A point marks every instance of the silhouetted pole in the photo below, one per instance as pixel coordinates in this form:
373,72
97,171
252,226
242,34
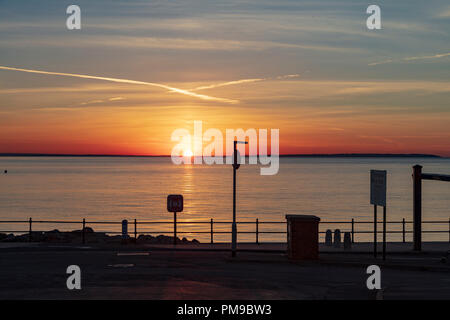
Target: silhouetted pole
236,166
417,207
384,232
233,226
374,231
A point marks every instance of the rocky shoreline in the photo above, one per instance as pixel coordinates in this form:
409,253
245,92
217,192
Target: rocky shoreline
90,236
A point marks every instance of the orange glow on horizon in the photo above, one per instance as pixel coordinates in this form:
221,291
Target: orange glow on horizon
129,120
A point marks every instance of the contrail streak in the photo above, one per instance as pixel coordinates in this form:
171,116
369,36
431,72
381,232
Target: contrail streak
230,83
436,56
171,89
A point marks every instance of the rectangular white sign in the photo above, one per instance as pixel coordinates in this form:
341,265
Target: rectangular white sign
378,187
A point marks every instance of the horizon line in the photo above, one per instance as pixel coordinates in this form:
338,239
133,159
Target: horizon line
403,155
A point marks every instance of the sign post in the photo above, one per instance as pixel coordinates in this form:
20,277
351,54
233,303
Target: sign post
236,165
378,198
175,204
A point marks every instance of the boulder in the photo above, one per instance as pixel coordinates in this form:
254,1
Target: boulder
145,238
88,230
162,239
56,236
53,231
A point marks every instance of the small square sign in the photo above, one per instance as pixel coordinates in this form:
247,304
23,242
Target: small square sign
378,187
175,203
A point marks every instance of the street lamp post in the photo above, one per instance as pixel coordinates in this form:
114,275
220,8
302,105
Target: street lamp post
236,166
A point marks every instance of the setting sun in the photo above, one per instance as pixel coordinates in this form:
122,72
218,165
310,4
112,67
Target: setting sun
188,153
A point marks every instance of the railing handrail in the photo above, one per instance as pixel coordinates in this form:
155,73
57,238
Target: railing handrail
211,222
206,222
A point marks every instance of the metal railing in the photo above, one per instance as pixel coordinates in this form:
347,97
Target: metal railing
351,227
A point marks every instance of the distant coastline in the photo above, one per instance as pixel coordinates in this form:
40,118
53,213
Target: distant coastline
331,155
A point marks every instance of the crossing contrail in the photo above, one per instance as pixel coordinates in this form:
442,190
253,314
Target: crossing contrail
159,85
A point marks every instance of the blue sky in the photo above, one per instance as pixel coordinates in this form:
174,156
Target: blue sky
228,39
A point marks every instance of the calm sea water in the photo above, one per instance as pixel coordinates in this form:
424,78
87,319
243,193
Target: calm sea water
112,189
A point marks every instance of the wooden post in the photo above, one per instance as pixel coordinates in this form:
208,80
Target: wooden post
83,239
212,231
288,238
257,231
135,229
353,230
29,228
417,207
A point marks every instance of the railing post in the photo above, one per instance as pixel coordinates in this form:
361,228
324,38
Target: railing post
29,234
449,230
174,228
353,230
212,231
83,239
257,231
135,229
404,230
417,207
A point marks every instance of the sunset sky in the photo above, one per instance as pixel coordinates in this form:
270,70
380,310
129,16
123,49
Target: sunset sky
308,68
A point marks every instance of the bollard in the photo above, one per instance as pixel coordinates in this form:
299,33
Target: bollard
124,231
347,241
337,238
328,238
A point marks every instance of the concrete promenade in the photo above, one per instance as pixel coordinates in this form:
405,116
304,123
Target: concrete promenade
38,271
360,247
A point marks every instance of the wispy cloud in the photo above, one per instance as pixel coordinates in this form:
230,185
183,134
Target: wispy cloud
101,101
288,76
92,102
235,82
380,62
435,56
159,85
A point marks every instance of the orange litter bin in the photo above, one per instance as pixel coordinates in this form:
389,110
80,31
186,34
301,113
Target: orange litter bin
303,237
